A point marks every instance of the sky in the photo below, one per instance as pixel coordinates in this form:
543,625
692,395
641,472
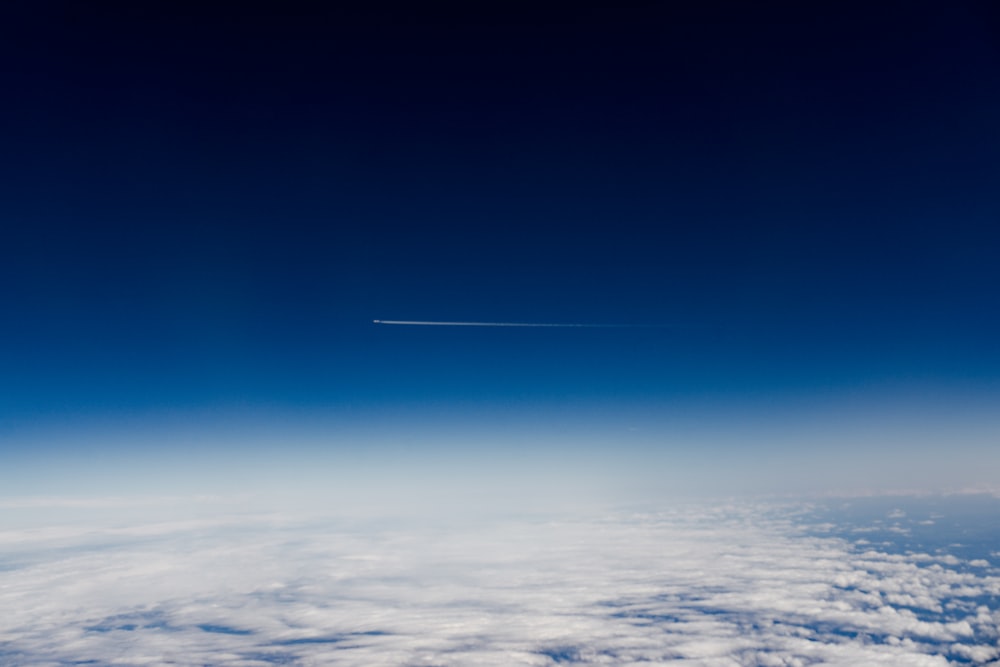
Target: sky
791,208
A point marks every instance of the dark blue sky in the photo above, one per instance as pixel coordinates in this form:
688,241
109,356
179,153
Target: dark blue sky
204,209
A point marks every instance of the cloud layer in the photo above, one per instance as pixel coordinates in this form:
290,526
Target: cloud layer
706,585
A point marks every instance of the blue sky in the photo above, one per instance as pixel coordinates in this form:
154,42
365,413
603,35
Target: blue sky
203,212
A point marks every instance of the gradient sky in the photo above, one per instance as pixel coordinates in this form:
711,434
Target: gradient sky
202,212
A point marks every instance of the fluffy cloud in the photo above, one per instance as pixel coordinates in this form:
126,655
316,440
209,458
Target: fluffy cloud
711,585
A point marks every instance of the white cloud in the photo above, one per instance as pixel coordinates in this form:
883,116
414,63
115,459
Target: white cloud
701,585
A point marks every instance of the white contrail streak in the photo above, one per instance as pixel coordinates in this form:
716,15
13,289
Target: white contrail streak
421,323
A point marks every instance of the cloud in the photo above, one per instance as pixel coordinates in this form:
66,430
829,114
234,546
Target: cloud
701,585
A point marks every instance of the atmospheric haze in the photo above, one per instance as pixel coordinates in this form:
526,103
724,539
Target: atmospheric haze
696,359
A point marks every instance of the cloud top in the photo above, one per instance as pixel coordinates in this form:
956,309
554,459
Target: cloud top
702,585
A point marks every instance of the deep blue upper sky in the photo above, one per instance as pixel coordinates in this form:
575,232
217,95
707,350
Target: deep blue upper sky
203,208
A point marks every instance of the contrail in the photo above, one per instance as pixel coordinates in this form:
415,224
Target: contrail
421,323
